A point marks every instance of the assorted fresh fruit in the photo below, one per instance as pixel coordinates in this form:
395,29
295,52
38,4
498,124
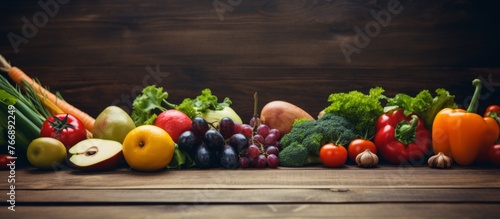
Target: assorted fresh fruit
203,132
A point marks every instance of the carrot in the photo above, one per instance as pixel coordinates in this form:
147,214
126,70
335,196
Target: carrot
18,76
53,108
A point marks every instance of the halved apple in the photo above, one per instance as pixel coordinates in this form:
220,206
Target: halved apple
94,154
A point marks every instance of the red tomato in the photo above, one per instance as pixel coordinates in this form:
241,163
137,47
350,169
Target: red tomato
492,109
358,146
65,128
333,155
4,160
494,154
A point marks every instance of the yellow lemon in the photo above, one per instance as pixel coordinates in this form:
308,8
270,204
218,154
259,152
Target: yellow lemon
148,148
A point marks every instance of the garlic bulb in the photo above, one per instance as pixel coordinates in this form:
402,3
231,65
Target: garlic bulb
440,161
367,159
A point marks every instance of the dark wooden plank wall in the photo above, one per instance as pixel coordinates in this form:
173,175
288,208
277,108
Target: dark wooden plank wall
96,53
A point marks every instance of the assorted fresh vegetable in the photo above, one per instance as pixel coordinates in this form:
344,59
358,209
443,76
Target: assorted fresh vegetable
153,100
51,101
312,134
205,132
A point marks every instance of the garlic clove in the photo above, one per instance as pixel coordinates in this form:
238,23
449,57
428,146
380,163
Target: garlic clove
366,159
440,161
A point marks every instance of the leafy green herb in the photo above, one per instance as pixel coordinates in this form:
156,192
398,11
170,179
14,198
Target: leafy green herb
153,100
423,104
361,109
145,106
202,103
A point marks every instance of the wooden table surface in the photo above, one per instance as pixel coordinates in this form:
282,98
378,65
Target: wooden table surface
308,192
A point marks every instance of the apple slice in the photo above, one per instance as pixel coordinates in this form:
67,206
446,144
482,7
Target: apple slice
96,154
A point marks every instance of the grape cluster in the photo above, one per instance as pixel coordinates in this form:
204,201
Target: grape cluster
263,146
231,145
207,145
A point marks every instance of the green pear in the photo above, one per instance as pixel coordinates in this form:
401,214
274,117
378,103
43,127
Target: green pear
113,123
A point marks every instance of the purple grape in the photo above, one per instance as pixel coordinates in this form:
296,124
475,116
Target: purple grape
272,150
244,162
271,139
272,161
188,141
229,158
214,140
278,145
226,127
239,142
203,157
261,161
263,130
200,126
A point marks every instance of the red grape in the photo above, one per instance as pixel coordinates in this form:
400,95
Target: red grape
270,139
261,161
252,121
258,138
272,150
263,130
247,130
272,161
253,151
275,132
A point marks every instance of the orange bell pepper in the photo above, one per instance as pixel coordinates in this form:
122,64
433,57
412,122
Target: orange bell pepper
463,135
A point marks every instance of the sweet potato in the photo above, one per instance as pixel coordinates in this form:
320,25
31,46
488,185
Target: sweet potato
281,115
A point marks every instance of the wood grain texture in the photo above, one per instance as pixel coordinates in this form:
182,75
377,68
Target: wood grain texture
296,178
254,196
392,210
255,33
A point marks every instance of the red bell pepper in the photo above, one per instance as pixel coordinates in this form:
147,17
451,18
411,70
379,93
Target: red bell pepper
402,139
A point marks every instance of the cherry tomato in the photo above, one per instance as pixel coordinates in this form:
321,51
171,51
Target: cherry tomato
4,160
492,109
358,146
494,154
333,155
65,128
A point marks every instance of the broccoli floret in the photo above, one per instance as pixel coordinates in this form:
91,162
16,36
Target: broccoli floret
295,155
313,142
315,133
